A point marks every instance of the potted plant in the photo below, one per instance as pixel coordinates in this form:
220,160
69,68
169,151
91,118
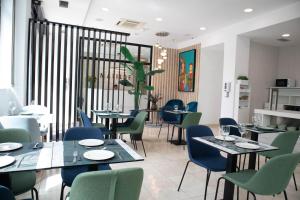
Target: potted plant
136,69
91,80
154,99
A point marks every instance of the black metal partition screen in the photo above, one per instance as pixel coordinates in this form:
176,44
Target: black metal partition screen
72,67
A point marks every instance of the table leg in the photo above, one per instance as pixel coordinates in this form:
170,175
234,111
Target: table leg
252,157
113,128
229,187
107,123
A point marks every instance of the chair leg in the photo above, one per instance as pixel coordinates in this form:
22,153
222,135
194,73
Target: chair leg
168,132
206,183
237,193
253,195
160,129
217,189
144,148
294,178
34,190
285,195
187,164
172,133
63,185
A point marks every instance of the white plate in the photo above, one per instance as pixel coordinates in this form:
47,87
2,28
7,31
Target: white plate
26,113
9,146
104,114
124,114
6,160
91,142
98,155
247,145
265,128
227,138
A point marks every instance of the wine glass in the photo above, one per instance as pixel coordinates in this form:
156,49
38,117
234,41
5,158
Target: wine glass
12,107
117,108
225,131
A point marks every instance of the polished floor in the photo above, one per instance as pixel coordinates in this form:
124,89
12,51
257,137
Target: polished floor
163,168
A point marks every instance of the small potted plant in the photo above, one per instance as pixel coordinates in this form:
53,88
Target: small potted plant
91,80
154,98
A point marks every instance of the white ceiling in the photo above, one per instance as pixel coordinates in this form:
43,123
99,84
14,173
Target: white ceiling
269,35
181,18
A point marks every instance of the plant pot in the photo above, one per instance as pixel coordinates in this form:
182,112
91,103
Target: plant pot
154,106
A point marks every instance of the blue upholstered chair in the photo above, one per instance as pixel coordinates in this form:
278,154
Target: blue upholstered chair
192,106
170,118
86,122
226,121
68,174
128,121
6,194
201,154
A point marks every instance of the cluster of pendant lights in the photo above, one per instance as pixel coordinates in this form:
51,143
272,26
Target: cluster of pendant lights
162,55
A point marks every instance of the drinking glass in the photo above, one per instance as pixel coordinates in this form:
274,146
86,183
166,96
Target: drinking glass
117,108
225,131
176,107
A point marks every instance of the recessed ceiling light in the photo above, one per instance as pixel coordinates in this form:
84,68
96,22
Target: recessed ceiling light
105,9
285,35
159,19
202,28
248,10
99,19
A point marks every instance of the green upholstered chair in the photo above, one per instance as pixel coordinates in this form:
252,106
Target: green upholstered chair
20,181
135,129
190,119
286,143
123,184
271,179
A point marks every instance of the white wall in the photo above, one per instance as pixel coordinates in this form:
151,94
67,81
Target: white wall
210,83
289,63
262,72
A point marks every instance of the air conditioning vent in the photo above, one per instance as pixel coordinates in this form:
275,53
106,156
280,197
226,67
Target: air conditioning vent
63,4
130,24
283,39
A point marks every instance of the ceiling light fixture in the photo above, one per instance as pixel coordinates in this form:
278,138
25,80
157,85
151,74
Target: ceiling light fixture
159,19
248,10
202,28
105,9
99,19
285,35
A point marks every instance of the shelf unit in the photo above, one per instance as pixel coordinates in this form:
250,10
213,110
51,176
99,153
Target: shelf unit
242,101
291,95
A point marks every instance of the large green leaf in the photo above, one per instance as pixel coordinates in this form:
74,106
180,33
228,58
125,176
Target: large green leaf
156,71
126,83
149,87
128,68
127,54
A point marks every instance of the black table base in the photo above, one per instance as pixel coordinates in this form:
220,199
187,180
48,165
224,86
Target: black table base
230,167
176,142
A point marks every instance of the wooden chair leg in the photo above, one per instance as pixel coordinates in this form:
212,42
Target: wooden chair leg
144,148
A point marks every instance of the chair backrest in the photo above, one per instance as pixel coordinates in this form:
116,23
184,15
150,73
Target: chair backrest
198,149
123,184
23,122
133,113
191,119
275,175
6,194
14,135
80,133
86,122
192,106
229,121
174,102
285,142
139,122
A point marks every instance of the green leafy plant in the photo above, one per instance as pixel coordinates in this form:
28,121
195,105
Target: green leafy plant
242,78
137,70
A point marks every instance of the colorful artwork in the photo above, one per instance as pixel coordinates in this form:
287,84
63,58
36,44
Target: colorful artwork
186,80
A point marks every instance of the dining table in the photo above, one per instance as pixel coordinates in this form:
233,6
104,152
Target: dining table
180,113
113,116
60,154
233,148
255,131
